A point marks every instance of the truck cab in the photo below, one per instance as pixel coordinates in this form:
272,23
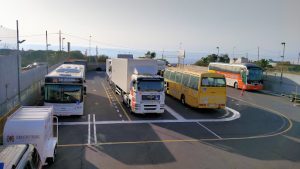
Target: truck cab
20,156
146,94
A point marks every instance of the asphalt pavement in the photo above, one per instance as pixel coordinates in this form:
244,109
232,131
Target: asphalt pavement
257,131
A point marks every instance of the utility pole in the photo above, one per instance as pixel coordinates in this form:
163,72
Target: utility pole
69,48
90,45
282,43
96,58
59,40
298,58
18,62
258,53
47,50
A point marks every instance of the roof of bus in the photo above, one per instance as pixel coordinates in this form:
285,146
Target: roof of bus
248,65
68,70
194,70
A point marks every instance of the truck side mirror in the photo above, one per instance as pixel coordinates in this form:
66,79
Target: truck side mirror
84,90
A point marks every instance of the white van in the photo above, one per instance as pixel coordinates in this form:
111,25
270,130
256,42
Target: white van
20,156
33,125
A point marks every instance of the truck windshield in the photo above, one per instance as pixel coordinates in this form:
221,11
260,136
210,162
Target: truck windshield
57,93
255,74
149,85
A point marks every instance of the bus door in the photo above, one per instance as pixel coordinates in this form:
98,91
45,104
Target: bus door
192,93
244,78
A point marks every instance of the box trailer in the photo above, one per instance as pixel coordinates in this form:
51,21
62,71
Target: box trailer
136,80
33,125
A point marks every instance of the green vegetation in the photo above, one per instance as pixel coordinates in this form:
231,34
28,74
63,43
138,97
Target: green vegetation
54,57
149,55
263,63
212,58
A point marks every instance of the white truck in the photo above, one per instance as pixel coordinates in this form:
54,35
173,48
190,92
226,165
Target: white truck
19,156
136,80
33,125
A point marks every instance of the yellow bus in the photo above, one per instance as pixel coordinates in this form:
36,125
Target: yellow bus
196,88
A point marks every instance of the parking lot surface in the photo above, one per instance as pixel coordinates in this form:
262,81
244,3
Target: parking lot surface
255,131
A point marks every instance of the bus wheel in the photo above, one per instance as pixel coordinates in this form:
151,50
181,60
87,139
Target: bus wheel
236,85
182,99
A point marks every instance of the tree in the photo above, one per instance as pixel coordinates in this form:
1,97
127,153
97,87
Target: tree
212,58
150,55
263,63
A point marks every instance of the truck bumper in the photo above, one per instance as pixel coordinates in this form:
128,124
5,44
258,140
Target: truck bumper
148,108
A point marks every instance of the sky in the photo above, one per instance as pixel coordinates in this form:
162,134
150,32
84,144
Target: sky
237,27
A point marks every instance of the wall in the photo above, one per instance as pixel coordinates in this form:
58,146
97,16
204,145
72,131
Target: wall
289,84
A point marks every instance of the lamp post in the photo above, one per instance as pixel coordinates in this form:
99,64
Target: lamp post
218,53
283,44
63,43
19,61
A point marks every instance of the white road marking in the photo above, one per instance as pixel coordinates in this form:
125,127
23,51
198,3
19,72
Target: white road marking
209,130
89,130
120,115
235,115
95,135
118,110
174,113
94,90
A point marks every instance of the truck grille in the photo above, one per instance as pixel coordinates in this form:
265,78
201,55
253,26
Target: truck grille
150,97
150,107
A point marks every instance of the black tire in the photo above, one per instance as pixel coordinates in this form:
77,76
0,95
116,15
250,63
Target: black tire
236,85
182,99
50,160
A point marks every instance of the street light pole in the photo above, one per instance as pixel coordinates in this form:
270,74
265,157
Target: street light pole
282,43
218,50
19,61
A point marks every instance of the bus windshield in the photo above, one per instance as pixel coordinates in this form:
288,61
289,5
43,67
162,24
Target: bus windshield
213,82
57,93
255,74
150,85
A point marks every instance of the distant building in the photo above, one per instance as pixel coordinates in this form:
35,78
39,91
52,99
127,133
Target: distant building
273,63
239,60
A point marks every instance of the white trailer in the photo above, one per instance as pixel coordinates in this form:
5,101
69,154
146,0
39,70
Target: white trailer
136,80
33,125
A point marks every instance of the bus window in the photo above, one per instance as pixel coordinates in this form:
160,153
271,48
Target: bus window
172,76
185,79
178,77
167,74
213,82
194,81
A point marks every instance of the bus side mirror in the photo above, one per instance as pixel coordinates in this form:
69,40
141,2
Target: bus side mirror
43,90
84,90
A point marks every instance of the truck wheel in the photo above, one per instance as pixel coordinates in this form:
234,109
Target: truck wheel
50,160
182,99
236,85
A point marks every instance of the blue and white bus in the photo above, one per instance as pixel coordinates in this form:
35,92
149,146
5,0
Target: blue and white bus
64,90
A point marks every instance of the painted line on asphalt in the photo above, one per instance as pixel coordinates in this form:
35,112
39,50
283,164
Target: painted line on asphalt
105,89
128,118
235,115
95,135
270,110
89,129
209,130
174,113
